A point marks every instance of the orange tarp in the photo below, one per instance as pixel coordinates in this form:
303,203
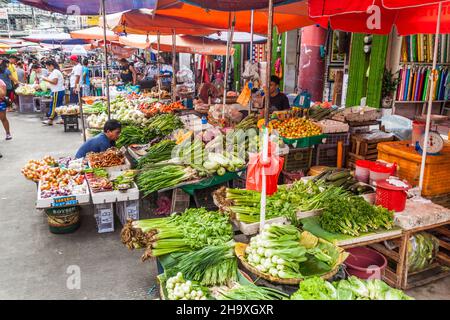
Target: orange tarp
142,21
192,20
94,33
184,44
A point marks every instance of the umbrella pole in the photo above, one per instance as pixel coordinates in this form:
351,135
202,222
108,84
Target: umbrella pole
430,99
174,52
269,62
106,60
159,65
81,114
229,41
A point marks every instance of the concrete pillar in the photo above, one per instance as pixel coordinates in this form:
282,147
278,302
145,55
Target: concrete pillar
291,62
312,66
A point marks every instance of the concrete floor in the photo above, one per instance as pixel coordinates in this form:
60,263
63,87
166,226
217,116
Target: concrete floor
34,263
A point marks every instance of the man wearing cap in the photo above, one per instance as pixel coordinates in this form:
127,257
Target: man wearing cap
75,77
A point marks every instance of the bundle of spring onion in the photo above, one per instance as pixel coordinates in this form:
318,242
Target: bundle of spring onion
159,176
210,266
192,230
165,124
283,252
180,289
158,152
133,134
252,292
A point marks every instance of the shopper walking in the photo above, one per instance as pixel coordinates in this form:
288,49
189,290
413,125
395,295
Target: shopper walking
85,79
8,79
3,118
56,83
75,78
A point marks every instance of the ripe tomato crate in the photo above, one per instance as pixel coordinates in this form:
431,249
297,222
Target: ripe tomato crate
306,142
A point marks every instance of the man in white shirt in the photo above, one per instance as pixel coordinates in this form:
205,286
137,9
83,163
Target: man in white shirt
75,78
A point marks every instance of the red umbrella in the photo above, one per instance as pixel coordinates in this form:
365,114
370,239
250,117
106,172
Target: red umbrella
377,19
409,16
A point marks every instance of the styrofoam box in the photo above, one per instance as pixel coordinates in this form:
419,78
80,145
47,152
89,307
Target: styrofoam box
104,215
114,169
115,195
42,203
127,210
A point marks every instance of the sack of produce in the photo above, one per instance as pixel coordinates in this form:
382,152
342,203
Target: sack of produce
422,250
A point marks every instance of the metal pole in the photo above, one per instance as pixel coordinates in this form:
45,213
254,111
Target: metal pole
108,101
229,41
174,58
269,62
81,114
252,18
430,99
158,78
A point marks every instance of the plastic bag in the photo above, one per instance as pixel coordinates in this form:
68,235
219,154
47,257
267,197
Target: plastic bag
272,171
422,250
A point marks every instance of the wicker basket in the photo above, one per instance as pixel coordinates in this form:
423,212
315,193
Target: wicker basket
240,253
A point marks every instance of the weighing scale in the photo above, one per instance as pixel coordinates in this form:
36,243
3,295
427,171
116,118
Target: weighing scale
435,141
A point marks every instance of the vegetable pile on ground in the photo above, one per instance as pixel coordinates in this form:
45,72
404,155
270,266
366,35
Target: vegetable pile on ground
353,215
209,266
344,179
282,251
351,289
192,230
295,128
109,158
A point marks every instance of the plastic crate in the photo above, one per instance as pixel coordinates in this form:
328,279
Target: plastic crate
334,138
127,210
298,159
104,215
305,142
326,155
26,104
180,200
71,123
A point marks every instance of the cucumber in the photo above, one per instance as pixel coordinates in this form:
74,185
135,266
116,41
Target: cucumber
338,175
322,176
340,182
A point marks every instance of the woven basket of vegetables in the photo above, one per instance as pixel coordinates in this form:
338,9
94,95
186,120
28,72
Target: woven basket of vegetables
283,255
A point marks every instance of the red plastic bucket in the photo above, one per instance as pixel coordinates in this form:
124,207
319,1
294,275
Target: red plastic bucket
365,263
391,197
379,172
362,170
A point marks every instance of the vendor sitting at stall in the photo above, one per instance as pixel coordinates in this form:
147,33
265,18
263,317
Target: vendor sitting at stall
278,100
103,141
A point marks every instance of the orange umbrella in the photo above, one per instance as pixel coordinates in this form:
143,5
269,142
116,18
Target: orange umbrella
94,33
184,44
